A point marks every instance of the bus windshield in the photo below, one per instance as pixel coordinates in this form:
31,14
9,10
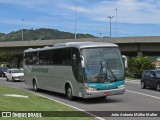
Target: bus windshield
103,64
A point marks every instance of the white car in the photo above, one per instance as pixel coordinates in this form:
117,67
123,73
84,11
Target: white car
14,75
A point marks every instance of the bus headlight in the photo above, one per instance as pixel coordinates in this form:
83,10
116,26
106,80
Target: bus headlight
121,86
91,89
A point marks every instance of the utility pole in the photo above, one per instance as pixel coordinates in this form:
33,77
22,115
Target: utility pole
22,28
116,25
100,35
110,17
76,22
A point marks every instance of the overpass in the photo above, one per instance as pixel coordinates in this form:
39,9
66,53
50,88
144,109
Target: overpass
129,46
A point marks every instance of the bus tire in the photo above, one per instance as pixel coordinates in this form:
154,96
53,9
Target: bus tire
69,93
35,87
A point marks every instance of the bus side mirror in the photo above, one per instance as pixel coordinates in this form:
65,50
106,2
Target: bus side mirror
125,61
82,62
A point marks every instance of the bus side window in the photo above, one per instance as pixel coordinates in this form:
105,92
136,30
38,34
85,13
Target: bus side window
31,58
67,56
56,57
62,56
46,57
35,58
43,57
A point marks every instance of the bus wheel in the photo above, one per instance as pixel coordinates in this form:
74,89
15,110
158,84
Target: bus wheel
69,93
35,86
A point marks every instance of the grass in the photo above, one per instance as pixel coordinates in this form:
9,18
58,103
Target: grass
34,103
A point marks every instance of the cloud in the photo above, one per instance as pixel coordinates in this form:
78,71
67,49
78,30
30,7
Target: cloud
91,14
128,11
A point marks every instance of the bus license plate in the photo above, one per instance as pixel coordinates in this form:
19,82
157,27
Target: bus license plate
106,93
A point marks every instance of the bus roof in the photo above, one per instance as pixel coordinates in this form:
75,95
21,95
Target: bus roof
78,45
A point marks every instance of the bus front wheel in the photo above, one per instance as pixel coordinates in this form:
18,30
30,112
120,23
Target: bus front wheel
69,93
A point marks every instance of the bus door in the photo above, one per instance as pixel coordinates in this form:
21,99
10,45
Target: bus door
77,72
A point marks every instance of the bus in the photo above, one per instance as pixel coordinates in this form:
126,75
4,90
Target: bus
77,69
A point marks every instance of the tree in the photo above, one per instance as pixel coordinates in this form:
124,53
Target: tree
41,34
5,58
137,65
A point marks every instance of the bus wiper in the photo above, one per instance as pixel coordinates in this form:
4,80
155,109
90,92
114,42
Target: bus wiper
103,72
108,68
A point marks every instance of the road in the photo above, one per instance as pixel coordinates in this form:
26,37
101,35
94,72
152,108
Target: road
134,99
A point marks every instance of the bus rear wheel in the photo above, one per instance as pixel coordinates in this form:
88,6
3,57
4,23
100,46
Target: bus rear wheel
69,93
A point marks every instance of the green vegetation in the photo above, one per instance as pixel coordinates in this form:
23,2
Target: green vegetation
7,58
137,65
34,103
40,34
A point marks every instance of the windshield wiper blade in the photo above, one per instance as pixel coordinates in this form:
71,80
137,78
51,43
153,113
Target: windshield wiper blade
102,74
108,68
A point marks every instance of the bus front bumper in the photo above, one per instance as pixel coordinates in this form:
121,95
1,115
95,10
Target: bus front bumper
101,93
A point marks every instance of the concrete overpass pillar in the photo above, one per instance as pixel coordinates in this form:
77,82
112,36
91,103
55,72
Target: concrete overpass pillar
140,54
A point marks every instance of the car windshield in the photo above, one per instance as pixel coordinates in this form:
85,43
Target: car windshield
103,64
157,74
4,69
17,71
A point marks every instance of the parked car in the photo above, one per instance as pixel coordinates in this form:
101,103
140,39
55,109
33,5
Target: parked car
3,71
157,68
14,75
151,78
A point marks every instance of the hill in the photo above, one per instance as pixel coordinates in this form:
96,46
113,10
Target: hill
40,34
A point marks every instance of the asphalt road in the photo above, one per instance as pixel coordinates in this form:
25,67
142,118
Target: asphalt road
134,99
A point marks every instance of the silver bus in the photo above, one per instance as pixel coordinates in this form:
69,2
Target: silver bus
81,69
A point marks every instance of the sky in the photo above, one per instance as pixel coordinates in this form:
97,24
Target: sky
130,17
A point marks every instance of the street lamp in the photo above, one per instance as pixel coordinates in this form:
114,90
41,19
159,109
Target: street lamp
76,22
100,35
110,17
116,25
22,28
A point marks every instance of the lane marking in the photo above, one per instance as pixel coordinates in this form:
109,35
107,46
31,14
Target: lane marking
15,95
143,94
99,118
136,82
